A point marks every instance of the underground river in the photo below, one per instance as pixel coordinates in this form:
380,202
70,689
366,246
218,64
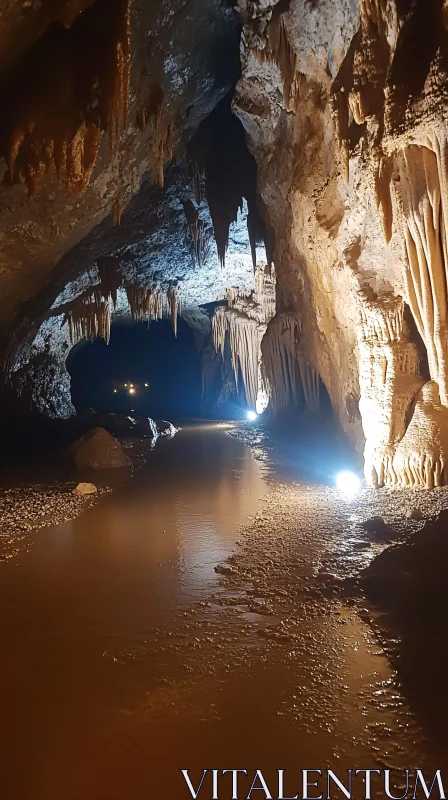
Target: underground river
126,656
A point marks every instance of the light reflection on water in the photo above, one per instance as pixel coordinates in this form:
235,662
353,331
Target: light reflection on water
112,682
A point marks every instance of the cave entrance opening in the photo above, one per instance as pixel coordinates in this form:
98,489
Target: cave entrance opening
145,370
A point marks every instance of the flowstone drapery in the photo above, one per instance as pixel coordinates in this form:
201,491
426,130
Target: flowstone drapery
389,381
389,369
289,377
245,319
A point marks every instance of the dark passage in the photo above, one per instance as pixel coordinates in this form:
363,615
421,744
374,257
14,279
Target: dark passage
139,354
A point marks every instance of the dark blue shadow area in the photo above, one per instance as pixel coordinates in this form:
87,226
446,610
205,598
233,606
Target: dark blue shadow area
144,370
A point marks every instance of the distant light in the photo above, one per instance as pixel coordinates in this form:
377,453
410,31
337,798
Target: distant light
132,390
126,386
131,385
115,391
347,482
146,384
252,415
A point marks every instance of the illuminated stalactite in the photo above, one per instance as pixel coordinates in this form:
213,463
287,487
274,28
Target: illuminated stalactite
199,232
245,320
289,377
358,91
111,279
280,364
89,318
173,303
72,86
278,49
145,303
219,153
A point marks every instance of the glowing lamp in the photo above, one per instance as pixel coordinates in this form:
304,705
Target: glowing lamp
347,482
132,390
252,415
115,391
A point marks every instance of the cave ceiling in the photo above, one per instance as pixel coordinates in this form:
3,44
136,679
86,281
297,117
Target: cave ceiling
97,99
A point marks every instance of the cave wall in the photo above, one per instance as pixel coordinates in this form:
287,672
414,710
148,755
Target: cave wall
344,105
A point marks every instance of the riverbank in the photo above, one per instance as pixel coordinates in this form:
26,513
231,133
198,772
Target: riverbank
40,493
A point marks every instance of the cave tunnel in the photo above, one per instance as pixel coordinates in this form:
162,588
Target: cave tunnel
163,370
223,399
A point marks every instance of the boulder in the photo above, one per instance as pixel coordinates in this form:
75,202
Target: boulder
146,427
165,428
85,488
97,449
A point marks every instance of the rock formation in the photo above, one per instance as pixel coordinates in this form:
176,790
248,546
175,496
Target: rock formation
97,449
144,194
245,319
344,107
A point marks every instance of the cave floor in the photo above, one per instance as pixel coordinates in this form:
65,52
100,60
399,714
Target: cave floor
127,657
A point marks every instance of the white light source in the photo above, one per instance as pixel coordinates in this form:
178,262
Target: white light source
252,415
132,390
348,482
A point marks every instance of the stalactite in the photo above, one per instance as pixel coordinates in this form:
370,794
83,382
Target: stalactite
415,456
118,76
198,231
117,210
155,106
162,151
219,151
111,278
383,177
173,302
245,320
287,372
89,318
310,383
144,302
358,90
48,125
245,336
280,365
278,49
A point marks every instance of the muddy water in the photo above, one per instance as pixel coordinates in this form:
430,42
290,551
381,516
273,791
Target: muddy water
125,657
